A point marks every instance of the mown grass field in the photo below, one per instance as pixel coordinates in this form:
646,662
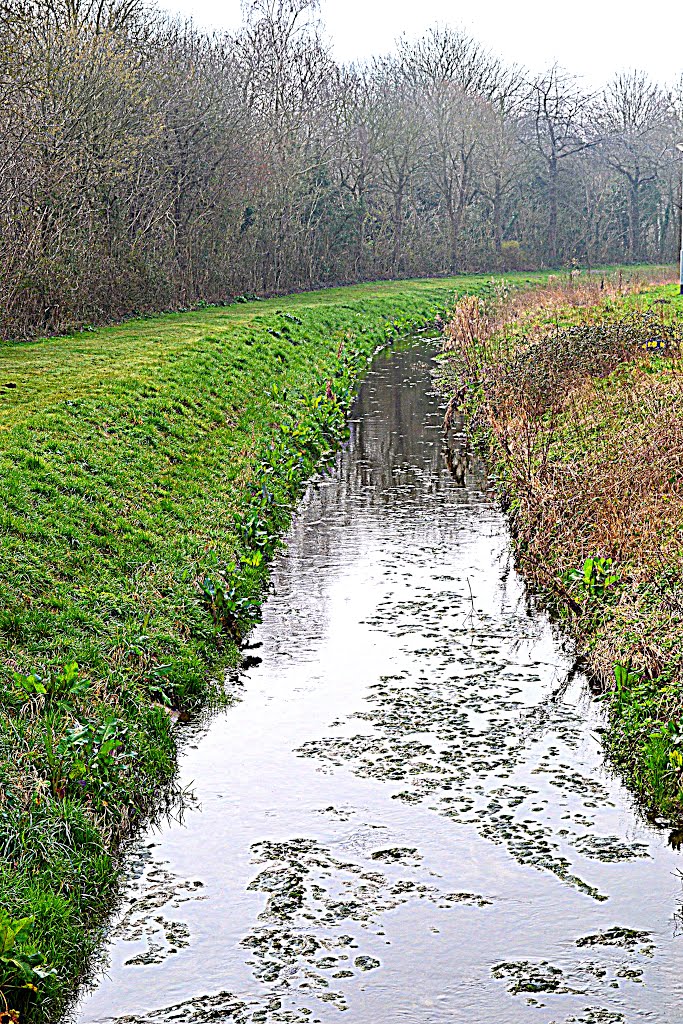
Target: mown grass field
147,471
581,408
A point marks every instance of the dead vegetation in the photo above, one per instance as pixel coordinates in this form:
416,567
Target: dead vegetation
583,419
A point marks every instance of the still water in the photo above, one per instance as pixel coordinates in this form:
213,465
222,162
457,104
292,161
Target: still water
405,816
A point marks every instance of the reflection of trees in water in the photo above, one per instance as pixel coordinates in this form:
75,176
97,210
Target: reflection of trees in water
675,842
458,462
466,468
396,442
393,485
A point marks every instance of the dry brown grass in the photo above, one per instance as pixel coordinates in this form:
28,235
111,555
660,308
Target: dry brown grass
613,488
584,420
524,315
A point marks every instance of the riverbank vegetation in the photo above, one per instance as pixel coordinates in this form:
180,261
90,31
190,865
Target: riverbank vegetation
578,399
147,472
148,165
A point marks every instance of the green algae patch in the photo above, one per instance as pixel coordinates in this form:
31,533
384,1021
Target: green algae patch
617,948
629,939
523,976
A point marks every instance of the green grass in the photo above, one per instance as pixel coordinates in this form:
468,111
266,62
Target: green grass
147,471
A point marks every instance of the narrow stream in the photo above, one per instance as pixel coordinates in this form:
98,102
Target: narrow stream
406,815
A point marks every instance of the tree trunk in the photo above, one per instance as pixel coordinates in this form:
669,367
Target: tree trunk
552,210
636,244
398,229
498,219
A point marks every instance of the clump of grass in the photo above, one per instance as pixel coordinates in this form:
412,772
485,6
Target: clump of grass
584,425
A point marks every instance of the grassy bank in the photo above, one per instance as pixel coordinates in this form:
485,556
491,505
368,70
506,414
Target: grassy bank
580,407
146,473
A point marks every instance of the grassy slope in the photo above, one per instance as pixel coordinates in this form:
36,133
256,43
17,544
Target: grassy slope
146,471
605,480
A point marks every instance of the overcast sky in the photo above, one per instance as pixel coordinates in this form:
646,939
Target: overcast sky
593,38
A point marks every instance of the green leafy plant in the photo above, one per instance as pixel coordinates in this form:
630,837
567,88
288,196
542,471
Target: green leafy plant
21,971
64,686
88,758
593,582
234,611
670,736
626,682
625,678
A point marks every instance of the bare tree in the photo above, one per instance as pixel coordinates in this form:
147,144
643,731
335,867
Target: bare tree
634,114
452,76
504,158
145,164
561,129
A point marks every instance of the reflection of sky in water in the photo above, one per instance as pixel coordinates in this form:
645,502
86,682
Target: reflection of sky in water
405,816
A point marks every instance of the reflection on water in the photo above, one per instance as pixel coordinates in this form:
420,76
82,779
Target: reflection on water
405,816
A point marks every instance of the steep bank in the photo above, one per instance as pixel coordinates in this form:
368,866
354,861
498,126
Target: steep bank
581,410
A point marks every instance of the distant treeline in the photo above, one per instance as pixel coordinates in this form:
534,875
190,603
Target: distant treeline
145,164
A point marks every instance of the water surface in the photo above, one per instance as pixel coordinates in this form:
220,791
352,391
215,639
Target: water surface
406,816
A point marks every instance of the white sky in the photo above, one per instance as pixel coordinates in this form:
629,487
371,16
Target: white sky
592,38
